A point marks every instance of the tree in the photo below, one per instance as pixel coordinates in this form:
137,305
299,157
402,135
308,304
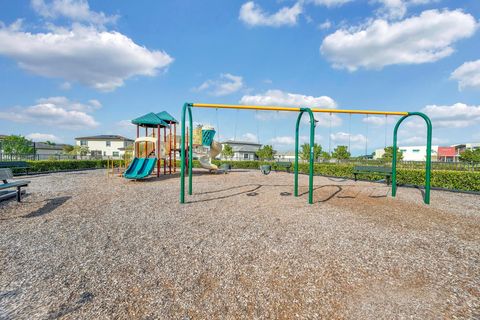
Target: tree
266,153
325,155
67,149
227,151
79,150
471,156
341,153
388,154
305,153
17,145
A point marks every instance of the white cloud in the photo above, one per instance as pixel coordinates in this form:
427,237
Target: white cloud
54,112
325,25
283,140
329,3
252,15
225,85
425,38
65,103
76,10
458,115
378,121
326,120
126,124
357,141
467,75
396,9
99,59
249,137
42,137
281,98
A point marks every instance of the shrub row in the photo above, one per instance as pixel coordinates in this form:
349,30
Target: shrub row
61,165
456,180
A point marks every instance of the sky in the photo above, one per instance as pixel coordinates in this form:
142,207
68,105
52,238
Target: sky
72,68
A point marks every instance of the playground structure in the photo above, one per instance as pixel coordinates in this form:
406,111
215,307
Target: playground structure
150,151
204,147
186,142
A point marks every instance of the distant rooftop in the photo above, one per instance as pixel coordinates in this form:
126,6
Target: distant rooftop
236,142
46,146
104,137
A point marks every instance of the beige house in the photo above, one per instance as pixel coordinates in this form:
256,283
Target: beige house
105,145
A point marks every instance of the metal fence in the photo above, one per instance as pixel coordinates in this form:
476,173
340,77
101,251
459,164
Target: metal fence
25,157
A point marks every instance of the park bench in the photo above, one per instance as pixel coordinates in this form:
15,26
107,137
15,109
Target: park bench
387,172
283,164
15,165
6,174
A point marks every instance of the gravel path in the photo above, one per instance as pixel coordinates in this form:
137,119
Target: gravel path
84,246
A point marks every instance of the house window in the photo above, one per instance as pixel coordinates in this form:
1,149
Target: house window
83,142
416,150
104,153
245,156
115,153
108,143
403,150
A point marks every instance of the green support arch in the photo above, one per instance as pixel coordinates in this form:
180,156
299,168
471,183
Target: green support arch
312,142
428,165
186,106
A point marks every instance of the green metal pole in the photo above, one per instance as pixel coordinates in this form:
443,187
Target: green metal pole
190,150
428,165
295,185
182,156
312,142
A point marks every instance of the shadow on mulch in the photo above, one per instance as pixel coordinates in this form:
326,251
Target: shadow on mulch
49,206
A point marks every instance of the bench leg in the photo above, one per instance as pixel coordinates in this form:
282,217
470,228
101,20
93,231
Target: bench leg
355,176
19,194
388,180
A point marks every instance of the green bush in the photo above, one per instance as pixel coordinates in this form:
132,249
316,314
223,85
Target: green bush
449,179
61,165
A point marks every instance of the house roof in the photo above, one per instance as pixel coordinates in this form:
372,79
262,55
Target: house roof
104,137
167,117
46,146
150,120
234,142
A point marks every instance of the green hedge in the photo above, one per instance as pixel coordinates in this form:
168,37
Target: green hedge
60,165
448,179
456,180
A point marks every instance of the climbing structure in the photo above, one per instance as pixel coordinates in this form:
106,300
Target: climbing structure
154,144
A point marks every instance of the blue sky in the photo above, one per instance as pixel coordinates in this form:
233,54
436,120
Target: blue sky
71,67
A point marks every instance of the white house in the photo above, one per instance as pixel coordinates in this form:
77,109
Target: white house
285,156
412,153
105,145
242,150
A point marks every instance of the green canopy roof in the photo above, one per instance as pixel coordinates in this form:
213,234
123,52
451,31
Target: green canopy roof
150,120
167,117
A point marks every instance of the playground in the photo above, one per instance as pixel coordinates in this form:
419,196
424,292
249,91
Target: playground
82,245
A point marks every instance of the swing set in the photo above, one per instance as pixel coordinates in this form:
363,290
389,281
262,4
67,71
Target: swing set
186,169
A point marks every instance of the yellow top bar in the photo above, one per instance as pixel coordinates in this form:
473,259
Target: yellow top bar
276,108
231,106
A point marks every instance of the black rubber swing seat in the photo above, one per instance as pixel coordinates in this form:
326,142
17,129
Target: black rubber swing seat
265,169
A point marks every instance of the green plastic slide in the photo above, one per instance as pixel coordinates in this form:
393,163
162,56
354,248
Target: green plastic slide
140,168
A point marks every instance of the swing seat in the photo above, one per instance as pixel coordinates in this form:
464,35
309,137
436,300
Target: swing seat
266,169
